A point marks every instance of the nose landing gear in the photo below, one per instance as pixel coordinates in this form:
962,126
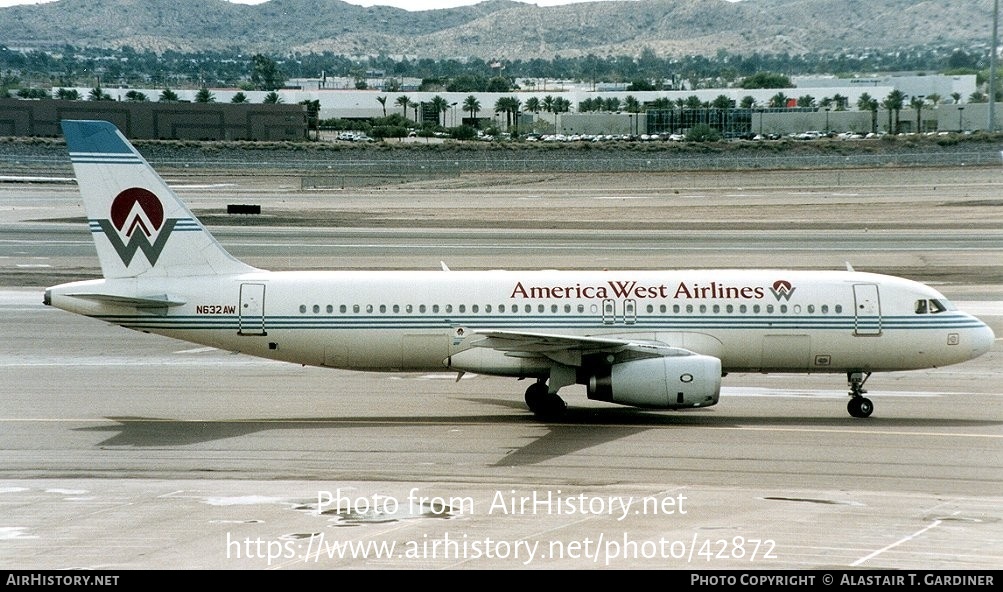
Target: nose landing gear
859,405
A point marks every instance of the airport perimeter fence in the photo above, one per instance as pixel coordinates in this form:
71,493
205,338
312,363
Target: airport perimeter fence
518,163
416,164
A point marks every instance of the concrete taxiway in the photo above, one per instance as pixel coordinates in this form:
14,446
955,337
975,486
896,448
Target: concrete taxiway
122,450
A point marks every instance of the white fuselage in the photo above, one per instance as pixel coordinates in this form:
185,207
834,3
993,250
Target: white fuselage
759,320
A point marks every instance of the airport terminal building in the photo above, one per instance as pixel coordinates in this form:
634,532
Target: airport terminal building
154,120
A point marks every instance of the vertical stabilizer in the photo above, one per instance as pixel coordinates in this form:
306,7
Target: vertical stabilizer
140,226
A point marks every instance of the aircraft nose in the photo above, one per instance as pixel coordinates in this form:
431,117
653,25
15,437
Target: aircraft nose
982,340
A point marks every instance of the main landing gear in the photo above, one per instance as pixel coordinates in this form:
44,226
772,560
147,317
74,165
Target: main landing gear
544,404
859,405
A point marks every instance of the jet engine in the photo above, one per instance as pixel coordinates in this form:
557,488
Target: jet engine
672,382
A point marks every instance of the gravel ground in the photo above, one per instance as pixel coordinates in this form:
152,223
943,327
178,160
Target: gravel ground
414,158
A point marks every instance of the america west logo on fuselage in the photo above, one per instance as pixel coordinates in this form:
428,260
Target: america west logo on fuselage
782,289
137,216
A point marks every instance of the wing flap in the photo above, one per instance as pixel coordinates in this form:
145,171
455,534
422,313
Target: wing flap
571,349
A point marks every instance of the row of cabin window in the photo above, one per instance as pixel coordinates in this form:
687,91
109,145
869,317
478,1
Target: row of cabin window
435,308
744,308
554,308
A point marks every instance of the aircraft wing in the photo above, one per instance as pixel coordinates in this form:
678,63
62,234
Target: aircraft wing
572,349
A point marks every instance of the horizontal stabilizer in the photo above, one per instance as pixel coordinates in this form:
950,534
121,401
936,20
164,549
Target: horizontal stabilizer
153,301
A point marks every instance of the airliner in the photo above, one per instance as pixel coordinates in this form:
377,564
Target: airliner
647,339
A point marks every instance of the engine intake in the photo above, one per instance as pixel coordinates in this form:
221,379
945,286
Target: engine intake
660,383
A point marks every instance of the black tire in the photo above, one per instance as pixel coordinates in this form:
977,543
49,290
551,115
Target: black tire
551,408
536,396
860,407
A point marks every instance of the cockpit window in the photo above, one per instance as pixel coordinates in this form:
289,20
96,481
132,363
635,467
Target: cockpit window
932,306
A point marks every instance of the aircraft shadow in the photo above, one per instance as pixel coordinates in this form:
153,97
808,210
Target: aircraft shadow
578,429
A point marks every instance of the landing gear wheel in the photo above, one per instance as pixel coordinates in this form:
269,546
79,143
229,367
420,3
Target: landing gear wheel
553,407
543,404
536,396
860,407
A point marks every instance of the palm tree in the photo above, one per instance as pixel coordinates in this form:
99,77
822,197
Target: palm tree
204,96
894,102
382,100
721,102
561,105
68,94
778,101
472,106
440,105
662,103
510,106
631,104
547,104
239,99
135,96
868,103
502,105
98,94
272,98
917,104
533,105
168,96
403,102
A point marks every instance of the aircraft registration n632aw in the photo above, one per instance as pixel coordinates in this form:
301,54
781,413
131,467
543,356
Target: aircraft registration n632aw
650,339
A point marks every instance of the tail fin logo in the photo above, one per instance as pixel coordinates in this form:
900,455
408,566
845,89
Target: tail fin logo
782,290
137,224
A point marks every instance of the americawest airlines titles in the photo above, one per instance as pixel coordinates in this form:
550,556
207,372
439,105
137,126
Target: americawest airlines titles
632,289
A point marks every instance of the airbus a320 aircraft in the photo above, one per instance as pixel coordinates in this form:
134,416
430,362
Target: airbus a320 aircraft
650,339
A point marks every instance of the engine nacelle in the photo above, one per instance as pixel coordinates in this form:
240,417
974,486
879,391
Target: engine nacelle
660,383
